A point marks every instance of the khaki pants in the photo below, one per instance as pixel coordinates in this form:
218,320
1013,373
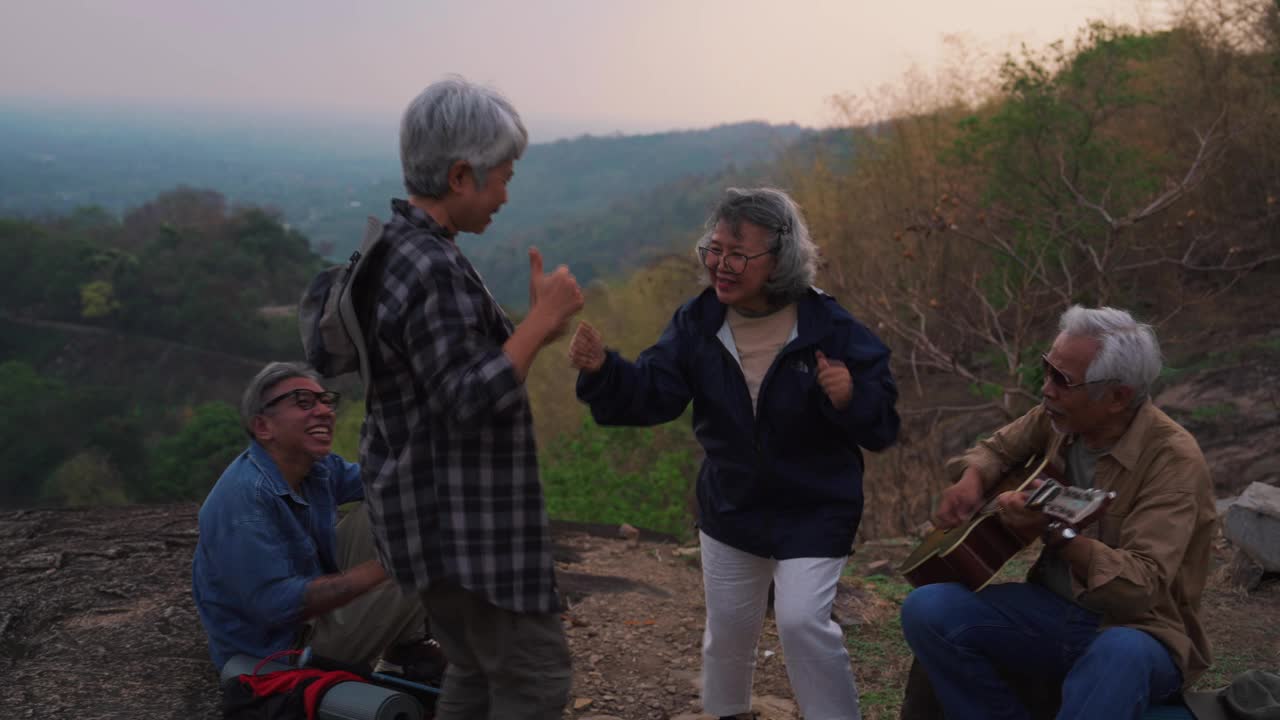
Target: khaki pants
503,665
359,631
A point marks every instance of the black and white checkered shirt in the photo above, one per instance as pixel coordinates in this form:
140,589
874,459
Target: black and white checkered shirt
449,461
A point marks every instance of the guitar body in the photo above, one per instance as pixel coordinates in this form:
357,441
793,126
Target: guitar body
972,553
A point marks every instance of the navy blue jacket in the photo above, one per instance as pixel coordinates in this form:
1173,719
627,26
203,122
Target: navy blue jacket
783,483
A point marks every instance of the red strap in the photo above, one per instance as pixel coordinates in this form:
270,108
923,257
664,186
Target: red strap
316,690
273,656
285,681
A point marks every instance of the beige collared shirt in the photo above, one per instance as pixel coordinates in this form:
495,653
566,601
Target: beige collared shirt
1157,531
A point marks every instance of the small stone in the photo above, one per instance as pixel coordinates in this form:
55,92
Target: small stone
581,703
879,567
629,533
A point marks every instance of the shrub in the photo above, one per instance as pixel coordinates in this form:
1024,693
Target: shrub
641,476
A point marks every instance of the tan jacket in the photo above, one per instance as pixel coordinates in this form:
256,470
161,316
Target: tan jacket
1157,531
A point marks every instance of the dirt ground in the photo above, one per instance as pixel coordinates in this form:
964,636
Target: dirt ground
96,617
96,621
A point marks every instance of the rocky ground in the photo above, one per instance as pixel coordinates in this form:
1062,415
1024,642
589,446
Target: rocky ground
96,621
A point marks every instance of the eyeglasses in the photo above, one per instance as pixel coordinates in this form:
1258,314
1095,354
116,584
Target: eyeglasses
305,399
1060,379
735,263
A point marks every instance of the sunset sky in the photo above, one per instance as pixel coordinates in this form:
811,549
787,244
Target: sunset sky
570,66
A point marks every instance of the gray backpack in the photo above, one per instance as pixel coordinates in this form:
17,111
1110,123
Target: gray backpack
332,314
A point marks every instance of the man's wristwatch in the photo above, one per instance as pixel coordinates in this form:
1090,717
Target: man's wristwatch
1058,534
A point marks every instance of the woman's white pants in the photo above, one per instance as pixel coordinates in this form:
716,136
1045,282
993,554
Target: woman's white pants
737,594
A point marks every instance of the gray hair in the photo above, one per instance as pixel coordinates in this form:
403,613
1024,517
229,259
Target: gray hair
1128,350
268,377
456,120
776,212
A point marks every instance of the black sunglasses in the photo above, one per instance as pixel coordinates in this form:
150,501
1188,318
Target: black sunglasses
1060,379
305,399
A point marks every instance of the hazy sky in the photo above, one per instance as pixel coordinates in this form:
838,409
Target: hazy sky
569,66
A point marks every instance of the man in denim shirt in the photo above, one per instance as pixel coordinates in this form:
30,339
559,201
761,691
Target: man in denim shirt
272,560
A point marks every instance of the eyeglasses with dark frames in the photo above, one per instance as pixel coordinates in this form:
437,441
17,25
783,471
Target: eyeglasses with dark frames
305,399
1061,380
735,263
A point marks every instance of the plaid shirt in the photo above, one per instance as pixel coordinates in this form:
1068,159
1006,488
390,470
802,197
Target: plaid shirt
449,462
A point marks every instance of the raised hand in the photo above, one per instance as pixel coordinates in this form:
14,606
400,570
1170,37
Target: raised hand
835,380
554,297
586,350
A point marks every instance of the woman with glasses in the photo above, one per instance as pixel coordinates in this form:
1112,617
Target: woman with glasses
787,388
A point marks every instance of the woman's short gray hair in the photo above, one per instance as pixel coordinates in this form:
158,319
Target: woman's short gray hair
1128,350
776,212
268,377
456,120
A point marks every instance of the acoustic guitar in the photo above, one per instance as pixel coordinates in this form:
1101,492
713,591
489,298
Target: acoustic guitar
973,552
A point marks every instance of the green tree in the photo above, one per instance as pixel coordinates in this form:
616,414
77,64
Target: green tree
34,418
184,466
97,300
961,233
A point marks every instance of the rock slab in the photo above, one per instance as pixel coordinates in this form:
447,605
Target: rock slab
1253,524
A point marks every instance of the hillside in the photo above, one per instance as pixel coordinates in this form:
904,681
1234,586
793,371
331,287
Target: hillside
580,196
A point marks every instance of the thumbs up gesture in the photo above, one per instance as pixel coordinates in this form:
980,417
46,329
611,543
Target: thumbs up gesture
835,380
554,297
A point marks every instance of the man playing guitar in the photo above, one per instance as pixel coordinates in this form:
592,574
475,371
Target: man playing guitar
1111,609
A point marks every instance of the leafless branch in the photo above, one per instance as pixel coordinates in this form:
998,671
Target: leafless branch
1208,152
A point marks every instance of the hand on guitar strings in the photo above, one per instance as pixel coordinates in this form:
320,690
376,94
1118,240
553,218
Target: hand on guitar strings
960,501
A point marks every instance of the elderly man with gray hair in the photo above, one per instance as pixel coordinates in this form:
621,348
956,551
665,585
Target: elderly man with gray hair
450,464
271,571
1110,613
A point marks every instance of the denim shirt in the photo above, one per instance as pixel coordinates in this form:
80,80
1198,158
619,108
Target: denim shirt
260,544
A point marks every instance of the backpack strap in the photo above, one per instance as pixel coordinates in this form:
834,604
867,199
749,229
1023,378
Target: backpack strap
352,317
372,231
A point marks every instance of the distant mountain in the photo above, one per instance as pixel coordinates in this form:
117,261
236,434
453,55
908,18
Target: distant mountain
566,195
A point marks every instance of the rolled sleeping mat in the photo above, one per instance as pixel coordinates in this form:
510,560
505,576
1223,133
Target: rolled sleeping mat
344,701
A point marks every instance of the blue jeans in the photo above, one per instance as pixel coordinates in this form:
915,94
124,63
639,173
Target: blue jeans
961,638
